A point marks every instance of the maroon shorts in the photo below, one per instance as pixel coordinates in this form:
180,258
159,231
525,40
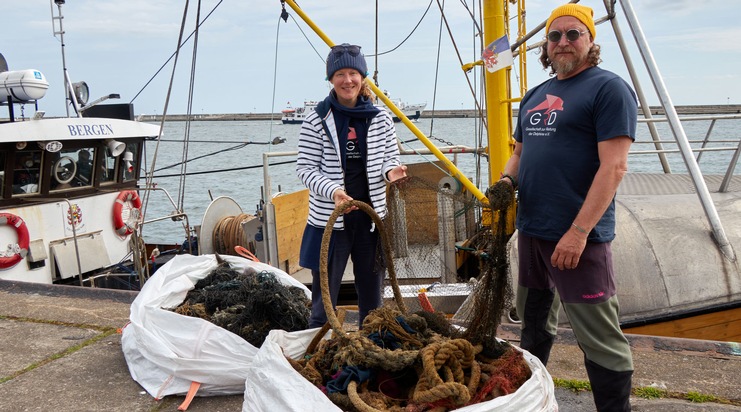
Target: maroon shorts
592,281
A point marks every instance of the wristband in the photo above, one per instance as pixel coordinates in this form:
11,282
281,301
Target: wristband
579,228
511,179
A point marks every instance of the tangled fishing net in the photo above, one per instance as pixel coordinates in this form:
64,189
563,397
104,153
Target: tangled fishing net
420,362
396,362
249,304
425,216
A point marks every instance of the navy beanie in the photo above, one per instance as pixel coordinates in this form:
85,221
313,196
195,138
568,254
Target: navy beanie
346,60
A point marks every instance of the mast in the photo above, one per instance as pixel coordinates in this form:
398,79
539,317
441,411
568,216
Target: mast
498,103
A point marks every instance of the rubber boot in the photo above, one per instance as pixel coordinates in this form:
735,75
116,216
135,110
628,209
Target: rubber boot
536,314
540,349
611,389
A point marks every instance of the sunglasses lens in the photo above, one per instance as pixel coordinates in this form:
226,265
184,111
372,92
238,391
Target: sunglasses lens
572,35
342,49
554,36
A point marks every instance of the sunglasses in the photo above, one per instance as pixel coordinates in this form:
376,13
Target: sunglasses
341,49
571,35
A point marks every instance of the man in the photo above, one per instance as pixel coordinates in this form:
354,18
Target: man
572,140
84,168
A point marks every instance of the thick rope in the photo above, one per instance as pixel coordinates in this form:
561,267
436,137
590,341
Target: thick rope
450,358
323,259
229,233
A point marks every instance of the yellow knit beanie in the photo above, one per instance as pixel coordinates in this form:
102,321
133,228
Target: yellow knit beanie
583,13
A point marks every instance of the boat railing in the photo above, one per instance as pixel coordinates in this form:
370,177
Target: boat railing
672,117
269,210
707,144
176,215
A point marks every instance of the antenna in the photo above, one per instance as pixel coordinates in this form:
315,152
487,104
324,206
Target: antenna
69,92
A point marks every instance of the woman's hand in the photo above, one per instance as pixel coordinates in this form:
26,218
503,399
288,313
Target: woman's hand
340,197
397,173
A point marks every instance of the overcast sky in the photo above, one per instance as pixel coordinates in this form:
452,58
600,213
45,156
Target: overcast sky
248,62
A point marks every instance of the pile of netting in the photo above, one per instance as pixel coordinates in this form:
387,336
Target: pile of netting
493,292
431,224
249,304
416,362
419,362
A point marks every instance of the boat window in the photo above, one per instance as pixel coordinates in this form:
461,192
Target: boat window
27,172
128,163
84,175
72,168
108,174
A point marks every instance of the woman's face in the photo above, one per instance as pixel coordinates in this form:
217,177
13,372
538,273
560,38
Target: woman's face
347,84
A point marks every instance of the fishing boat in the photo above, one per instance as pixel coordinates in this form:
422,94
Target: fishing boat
70,201
676,248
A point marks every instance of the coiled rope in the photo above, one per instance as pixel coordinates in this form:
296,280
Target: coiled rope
229,233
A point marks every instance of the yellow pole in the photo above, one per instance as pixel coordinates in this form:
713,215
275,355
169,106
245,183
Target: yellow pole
498,106
408,123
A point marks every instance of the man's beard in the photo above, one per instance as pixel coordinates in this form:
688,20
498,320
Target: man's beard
566,65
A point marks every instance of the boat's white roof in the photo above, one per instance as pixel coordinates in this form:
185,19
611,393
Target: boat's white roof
73,128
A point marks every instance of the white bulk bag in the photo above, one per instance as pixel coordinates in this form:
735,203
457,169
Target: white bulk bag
166,351
273,385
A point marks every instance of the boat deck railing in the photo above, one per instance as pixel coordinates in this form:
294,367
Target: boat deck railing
706,144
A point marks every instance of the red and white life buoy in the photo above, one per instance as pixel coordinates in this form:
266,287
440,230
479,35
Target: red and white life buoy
126,219
19,250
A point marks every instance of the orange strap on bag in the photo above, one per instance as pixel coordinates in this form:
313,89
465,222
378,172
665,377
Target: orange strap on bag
245,253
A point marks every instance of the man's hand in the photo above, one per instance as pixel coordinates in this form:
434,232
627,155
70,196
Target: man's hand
569,249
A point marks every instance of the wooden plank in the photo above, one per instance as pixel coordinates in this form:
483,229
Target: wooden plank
721,326
291,212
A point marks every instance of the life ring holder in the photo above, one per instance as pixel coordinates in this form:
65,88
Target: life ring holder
21,248
123,226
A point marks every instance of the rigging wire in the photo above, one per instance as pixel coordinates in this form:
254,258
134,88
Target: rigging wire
149,182
233,169
460,60
307,38
409,35
437,65
188,121
181,43
284,16
201,157
375,71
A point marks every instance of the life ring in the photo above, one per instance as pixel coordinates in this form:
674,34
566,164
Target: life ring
125,225
19,250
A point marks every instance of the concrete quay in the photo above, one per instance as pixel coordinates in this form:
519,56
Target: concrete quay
60,350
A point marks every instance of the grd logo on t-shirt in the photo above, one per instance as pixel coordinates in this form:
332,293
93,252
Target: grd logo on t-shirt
352,146
545,112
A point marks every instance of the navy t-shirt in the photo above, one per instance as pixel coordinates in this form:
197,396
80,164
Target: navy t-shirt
559,125
354,148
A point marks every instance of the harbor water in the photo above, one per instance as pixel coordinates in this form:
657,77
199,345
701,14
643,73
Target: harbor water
226,158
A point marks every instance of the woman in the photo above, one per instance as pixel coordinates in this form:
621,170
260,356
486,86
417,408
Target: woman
347,151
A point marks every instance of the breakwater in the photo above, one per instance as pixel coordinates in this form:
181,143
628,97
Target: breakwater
655,110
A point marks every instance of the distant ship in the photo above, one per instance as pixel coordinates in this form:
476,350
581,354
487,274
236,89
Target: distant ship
295,115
